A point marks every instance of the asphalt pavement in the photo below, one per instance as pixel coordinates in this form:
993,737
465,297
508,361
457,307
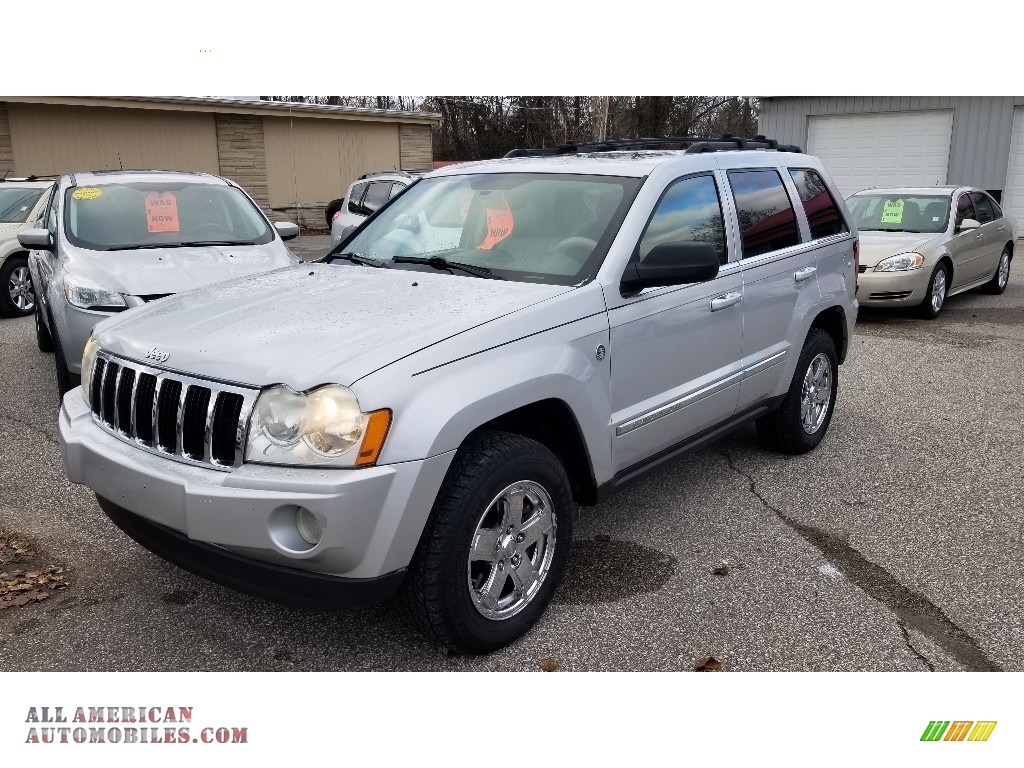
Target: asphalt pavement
896,545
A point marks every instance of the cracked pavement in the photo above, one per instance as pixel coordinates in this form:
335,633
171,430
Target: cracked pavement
896,545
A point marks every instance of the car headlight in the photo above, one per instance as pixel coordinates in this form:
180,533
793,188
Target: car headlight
86,295
900,263
322,427
88,358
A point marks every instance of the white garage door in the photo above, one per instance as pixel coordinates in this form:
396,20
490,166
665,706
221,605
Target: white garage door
883,149
1013,191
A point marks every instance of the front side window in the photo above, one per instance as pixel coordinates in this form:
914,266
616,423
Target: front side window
533,227
765,213
895,212
161,214
965,209
689,211
16,203
983,205
823,214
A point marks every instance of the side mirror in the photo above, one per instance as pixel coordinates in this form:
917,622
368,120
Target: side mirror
967,224
37,239
287,230
672,264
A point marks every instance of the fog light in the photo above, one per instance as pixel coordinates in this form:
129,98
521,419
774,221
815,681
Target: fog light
308,526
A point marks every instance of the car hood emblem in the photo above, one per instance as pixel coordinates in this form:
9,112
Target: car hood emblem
158,355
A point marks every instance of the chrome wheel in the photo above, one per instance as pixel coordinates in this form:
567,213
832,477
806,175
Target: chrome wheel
1004,269
816,394
19,288
938,290
512,550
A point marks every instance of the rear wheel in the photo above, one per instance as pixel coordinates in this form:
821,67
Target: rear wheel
1002,276
938,287
495,547
17,295
801,421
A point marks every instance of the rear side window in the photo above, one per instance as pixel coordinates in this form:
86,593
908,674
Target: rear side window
983,205
376,196
766,217
964,209
823,214
689,211
355,200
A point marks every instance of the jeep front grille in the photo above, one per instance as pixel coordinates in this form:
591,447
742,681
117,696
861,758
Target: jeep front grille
197,421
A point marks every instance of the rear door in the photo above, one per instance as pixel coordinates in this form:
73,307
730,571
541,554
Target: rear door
780,283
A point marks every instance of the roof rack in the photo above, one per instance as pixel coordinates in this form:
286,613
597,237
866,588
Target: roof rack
396,171
694,145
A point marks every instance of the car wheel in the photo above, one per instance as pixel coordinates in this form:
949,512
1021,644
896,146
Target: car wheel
43,339
1002,276
66,380
938,288
332,208
496,545
17,296
800,423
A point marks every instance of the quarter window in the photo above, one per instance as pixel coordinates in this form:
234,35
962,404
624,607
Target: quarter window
983,205
689,211
765,213
355,200
823,214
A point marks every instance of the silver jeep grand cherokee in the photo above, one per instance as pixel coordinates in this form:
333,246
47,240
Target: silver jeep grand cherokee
424,410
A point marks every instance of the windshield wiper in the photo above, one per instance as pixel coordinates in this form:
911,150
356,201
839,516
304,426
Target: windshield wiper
189,244
356,258
440,262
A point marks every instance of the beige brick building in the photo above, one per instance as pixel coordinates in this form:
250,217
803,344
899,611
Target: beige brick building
292,158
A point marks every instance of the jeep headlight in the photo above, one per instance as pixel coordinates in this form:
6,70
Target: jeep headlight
88,358
322,427
900,263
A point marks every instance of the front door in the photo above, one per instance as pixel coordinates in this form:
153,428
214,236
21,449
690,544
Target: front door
966,247
995,234
675,351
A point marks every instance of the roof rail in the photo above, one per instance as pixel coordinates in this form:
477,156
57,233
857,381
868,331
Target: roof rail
33,177
397,171
693,144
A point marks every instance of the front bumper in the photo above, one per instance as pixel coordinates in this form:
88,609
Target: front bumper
243,521
74,326
893,289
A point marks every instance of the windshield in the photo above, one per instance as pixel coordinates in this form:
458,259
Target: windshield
161,214
549,228
894,212
16,203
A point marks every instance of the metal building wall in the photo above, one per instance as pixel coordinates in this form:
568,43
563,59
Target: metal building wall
979,148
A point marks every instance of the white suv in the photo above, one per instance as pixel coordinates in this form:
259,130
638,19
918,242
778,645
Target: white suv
365,195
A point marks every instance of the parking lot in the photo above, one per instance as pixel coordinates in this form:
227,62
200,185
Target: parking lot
896,545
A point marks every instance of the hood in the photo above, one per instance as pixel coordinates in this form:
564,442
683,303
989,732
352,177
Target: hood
10,228
875,246
313,324
174,270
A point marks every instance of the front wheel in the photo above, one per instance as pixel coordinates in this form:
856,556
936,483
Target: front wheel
800,423
938,287
66,380
1002,276
496,545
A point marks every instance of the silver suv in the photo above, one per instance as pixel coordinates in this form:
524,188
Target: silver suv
501,343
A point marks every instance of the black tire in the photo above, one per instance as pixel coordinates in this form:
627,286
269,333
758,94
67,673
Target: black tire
332,208
927,308
437,589
66,380
15,264
1000,279
783,429
43,339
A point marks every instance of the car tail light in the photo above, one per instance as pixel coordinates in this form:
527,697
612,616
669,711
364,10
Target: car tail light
336,215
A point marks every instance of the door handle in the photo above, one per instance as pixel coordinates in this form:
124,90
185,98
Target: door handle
726,301
803,274
979,236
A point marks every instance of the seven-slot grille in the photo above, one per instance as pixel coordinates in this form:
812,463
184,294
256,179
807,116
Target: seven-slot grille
192,420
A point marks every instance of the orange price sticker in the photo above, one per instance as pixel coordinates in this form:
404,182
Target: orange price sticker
499,226
162,212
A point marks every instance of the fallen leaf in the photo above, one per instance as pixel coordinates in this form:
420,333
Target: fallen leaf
20,601
602,537
548,665
707,664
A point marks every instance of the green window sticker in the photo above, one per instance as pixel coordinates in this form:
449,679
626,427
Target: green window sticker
892,212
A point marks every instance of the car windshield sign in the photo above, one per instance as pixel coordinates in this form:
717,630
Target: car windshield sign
531,227
896,212
161,214
16,203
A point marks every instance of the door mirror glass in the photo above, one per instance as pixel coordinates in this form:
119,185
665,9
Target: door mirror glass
672,264
36,239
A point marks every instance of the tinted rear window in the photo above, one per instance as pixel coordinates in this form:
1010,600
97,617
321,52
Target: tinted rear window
823,214
766,216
